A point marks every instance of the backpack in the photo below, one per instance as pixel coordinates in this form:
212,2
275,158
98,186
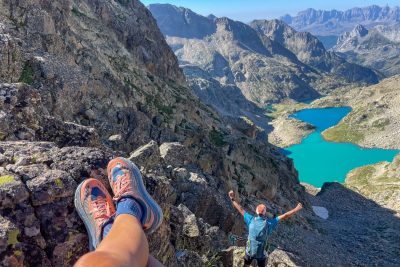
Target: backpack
257,239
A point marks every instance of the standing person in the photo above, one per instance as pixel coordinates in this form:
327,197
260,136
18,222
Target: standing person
260,228
117,233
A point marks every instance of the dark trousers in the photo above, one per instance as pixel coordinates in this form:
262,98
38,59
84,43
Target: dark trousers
260,262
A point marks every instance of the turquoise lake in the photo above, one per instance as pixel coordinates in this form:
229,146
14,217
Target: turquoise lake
319,161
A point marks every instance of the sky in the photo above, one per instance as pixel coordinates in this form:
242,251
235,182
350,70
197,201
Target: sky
247,10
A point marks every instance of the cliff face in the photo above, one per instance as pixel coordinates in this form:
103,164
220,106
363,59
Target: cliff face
362,46
96,79
334,22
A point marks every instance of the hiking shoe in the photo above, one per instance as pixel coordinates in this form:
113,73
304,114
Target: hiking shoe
95,207
126,181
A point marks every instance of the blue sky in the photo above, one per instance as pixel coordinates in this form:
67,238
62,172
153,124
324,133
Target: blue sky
246,10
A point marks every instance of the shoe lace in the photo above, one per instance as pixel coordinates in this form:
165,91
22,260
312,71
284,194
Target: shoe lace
102,210
123,184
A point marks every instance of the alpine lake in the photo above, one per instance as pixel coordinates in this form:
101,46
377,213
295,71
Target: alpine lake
319,161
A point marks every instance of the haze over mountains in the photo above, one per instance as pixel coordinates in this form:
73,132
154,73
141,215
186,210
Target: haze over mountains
334,22
378,47
266,61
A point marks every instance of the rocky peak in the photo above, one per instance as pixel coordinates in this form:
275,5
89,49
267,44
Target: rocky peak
376,47
191,25
241,33
359,31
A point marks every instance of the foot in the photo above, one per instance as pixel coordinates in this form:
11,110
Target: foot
95,207
126,181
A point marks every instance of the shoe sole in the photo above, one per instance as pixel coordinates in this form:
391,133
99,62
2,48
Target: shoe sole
85,219
145,196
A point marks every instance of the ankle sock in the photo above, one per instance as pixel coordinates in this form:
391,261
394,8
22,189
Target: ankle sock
107,228
129,206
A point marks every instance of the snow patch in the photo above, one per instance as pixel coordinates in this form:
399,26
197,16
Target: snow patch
321,212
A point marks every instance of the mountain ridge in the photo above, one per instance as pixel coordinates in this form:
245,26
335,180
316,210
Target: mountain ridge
334,22
235,41
361,46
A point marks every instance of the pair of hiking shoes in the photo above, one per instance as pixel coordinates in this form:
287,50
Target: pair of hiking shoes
96,207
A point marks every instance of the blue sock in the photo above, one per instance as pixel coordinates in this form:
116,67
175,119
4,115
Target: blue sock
129,206
107,228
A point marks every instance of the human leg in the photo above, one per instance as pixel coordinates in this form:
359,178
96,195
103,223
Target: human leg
136,210
247,260
124,246
261,262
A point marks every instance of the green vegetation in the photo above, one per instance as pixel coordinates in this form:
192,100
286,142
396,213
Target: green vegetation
381,123
59,183
217,138
212,261
12,237
6,179
343,132
165,109
371,181
361,176
26,75
277,110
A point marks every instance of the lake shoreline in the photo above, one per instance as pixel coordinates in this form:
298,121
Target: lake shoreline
324,160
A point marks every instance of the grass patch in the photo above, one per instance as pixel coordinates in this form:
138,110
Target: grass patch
277,110
6,179
343,133
381,123
361,176
217,138
26,75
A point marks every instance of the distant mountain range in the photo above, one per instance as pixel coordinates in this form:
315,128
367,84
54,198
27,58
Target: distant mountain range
378,48
264,62
334,22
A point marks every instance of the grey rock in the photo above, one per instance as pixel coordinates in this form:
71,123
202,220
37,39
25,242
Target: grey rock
188,258
174,154
12,191
147,156
233,256
190,227
194,25
50,186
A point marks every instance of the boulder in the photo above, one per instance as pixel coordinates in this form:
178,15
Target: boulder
12,191
232,257
52,185
146,156
174,154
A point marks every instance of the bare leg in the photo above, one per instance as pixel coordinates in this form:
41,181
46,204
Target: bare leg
124,246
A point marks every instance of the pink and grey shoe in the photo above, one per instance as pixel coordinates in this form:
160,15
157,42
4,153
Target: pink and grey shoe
126,181
95,207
